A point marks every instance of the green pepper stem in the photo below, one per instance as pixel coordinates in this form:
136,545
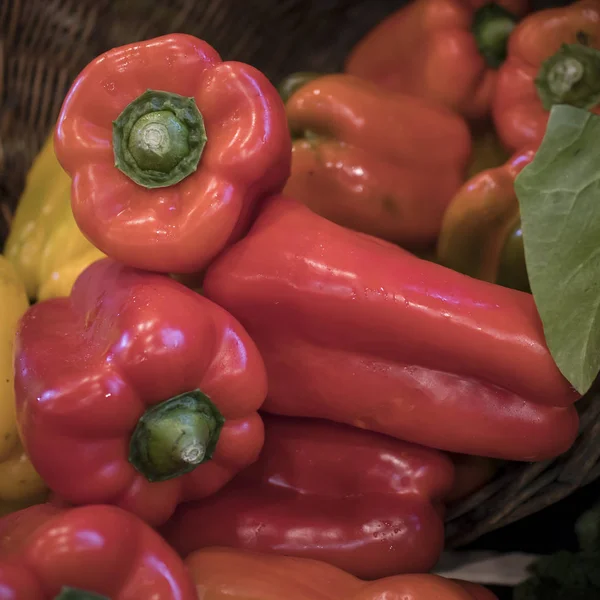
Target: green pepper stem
158,139
491,28
289,86
69,593
292,83
571,76
174,437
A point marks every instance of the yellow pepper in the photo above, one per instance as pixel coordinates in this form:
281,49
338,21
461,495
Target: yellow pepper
20,485
65,255
44,244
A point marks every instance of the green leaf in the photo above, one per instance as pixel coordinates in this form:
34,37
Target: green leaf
587,528
559,197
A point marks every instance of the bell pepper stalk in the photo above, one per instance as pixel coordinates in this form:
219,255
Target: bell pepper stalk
365,157
446,51
293,82
20,484
87,553
491,27
229,574
481,232
570,77
356,330
168,147
136,391
553,58
383,499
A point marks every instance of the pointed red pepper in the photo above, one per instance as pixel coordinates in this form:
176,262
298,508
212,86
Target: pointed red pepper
357,330
364,502
169,148
87,553
136,391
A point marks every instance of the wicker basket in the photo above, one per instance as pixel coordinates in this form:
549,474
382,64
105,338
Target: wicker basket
45,43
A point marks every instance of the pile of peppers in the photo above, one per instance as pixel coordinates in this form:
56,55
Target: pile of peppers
257,339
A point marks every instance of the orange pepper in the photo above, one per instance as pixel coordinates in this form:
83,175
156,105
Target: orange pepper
553,58
481,231
442,50
227,574
488,151
375,162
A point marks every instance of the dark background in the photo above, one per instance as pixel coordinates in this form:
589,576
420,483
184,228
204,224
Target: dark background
545,532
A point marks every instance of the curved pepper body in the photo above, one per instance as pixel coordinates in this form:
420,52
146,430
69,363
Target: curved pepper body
487,152
481,230
368,156
227,574
427,49
91,367
45,550
44,244
247,153
519,114
366,503
20,485
356,330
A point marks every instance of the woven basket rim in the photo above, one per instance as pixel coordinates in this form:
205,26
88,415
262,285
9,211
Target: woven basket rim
45,43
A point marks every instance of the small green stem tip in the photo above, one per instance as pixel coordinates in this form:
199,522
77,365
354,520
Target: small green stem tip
175,436
292,83
69,593
491,28
289,86
158,139
571,76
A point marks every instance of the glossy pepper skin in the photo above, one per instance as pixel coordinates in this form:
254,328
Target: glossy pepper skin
88,553
366,158
366,503
446,51
481,231
20,485
356,330
126,389
487,150
196,142
44,244
227,574
540,71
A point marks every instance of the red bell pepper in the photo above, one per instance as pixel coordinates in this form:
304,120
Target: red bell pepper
169,148
447,51
226,574
87,553
136,391
357,330
364,502
553,58
366,158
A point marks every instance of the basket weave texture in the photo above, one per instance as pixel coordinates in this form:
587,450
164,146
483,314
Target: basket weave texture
45,43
